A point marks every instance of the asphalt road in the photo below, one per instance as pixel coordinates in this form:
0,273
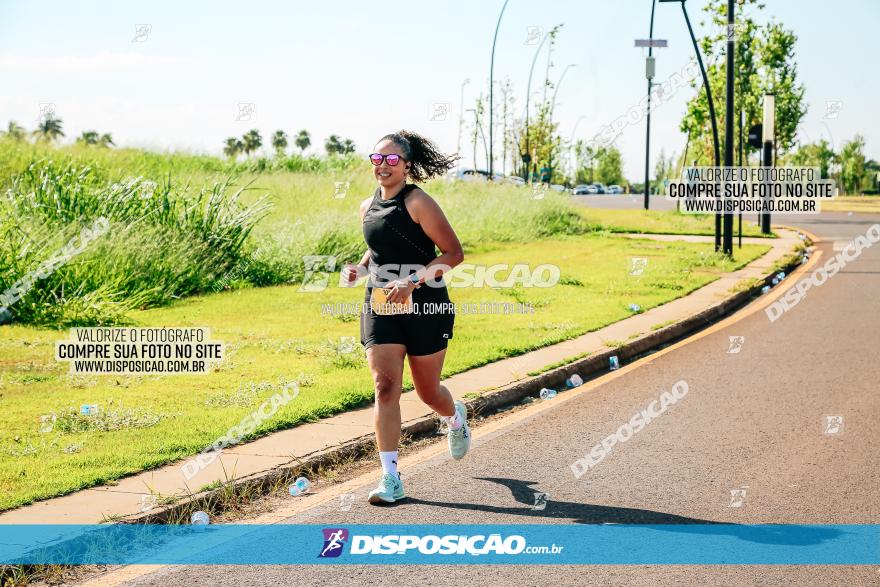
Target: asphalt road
625,201
752,420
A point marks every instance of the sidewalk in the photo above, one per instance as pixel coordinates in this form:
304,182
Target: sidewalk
90,506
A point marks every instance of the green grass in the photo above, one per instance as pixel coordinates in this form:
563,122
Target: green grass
662,222
278,334
178,226
561,363
860,204
183,227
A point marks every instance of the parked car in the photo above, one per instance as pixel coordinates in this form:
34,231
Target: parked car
614,189
515,180
557,188
468,175
600,188
583,189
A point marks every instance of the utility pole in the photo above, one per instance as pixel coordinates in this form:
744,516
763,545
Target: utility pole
769,138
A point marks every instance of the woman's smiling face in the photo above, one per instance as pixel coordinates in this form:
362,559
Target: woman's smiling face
388,175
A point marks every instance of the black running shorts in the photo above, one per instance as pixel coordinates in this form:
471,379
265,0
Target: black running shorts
422,333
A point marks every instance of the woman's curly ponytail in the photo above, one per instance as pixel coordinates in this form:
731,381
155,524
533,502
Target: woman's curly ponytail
425,159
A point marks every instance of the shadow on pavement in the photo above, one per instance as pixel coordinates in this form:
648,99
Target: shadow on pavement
580,513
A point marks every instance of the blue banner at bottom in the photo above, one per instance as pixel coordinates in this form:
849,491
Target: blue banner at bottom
571,544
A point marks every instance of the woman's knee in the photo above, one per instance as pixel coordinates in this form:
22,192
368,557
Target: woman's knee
387,390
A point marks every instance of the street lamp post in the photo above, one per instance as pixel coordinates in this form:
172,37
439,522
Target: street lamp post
527,157
650,83
650,68
552,108
491,87
711,110
556,90
727,245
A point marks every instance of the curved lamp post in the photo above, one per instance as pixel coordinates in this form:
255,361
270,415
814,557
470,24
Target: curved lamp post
711,110
491,87
527,157
552,108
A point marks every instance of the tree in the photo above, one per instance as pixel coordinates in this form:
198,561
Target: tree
332,145
478,133
586,157
765,63
544,142
663,170
49,129
852,165
609,165
14,131
232,147
872,176
303,141
336,146
88,137
819,155
251,141
92,137
279,142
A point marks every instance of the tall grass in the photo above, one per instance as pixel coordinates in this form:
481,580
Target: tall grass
182,224
164,241
16,156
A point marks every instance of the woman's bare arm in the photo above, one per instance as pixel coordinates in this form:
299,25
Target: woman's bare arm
427,212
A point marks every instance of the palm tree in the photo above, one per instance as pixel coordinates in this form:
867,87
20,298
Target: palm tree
49,129
92,137
279,142
14,131
88,137
232,147
251,141
303,141
332,145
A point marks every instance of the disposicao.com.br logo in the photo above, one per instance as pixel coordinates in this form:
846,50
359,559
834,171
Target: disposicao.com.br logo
452,544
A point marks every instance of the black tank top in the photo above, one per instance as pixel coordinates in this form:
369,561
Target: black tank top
394,238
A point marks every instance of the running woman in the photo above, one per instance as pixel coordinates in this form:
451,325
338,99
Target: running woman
402,225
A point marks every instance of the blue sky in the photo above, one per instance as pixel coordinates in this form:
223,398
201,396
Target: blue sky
361,70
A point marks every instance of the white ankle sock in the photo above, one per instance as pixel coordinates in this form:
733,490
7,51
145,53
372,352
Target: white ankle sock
389,462
454,421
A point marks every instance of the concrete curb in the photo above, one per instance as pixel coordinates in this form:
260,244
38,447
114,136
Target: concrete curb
587,367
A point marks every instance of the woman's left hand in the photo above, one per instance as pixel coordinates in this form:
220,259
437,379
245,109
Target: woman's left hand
400,291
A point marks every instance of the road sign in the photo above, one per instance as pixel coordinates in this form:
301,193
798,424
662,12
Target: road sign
652,43
755,133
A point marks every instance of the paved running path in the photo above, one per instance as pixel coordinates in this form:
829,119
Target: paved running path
752,419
